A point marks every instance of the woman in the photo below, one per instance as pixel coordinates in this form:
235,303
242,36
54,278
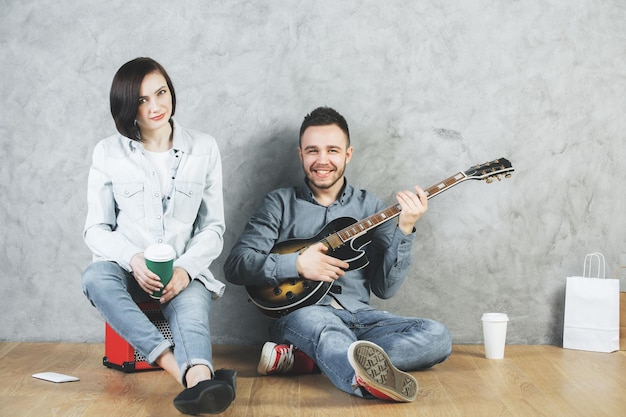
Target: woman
157,182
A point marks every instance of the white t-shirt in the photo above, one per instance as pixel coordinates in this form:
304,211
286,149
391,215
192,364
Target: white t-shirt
162,163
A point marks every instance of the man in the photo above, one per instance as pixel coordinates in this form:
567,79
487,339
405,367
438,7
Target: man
359,348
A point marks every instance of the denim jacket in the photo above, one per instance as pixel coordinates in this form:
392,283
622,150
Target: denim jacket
126,211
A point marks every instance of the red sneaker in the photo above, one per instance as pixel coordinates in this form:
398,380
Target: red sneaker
284,359
376,374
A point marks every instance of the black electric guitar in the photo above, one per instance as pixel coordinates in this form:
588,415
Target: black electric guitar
345,239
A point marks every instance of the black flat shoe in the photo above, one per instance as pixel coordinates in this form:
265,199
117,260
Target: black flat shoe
229,376
207,397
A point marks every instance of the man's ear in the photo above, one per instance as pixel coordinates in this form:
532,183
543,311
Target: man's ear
349,154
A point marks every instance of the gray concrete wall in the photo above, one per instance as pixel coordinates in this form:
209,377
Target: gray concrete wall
429,89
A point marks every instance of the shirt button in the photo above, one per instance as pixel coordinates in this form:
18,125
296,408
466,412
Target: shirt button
156,194
159,217
160,240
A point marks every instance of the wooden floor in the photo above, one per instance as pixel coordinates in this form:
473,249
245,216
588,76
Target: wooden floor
530,381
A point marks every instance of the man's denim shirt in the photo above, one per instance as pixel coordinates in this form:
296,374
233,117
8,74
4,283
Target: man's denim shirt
293,213
126,211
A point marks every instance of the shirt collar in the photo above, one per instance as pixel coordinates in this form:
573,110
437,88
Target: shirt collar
304,192
180,141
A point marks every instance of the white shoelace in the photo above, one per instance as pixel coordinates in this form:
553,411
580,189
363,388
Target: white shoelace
285,359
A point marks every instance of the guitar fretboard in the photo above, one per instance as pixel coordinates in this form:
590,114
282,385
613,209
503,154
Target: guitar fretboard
445,184
360,228
479,172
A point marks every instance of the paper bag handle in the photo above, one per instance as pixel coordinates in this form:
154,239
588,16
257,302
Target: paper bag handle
601,265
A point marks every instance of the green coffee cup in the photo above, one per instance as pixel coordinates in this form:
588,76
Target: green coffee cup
160,260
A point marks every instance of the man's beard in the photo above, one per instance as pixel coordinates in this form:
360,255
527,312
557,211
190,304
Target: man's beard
325,186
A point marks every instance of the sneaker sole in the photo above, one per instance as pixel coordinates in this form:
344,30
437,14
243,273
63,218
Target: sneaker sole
266,356
213,399
374,366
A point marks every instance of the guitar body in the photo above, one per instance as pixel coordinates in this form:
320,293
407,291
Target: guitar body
296,292
350,253
345,239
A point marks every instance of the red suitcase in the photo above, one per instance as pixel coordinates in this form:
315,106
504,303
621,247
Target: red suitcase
120,355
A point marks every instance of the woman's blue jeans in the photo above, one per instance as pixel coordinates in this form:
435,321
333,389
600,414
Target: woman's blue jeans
115,293
325,333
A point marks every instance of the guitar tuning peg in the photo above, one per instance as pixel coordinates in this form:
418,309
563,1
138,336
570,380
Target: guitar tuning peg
488,180
507,175
498,177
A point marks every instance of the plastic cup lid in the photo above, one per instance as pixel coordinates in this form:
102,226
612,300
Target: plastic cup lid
495,317
160,252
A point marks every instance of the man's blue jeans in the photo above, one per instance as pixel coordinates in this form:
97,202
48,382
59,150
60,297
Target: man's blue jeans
115,293
325,333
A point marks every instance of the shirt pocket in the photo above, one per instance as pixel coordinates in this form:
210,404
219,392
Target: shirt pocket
187,199
129,197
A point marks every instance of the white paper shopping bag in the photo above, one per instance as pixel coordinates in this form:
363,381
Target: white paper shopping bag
591,320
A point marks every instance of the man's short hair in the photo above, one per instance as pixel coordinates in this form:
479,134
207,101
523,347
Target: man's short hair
324,116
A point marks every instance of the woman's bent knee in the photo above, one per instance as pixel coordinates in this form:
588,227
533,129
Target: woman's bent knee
99,275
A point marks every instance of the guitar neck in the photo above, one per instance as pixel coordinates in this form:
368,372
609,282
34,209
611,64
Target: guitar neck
360,228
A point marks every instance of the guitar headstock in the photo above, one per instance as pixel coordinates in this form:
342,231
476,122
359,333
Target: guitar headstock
489,170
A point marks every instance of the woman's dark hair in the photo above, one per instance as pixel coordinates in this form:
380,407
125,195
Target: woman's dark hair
323,116
124,96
